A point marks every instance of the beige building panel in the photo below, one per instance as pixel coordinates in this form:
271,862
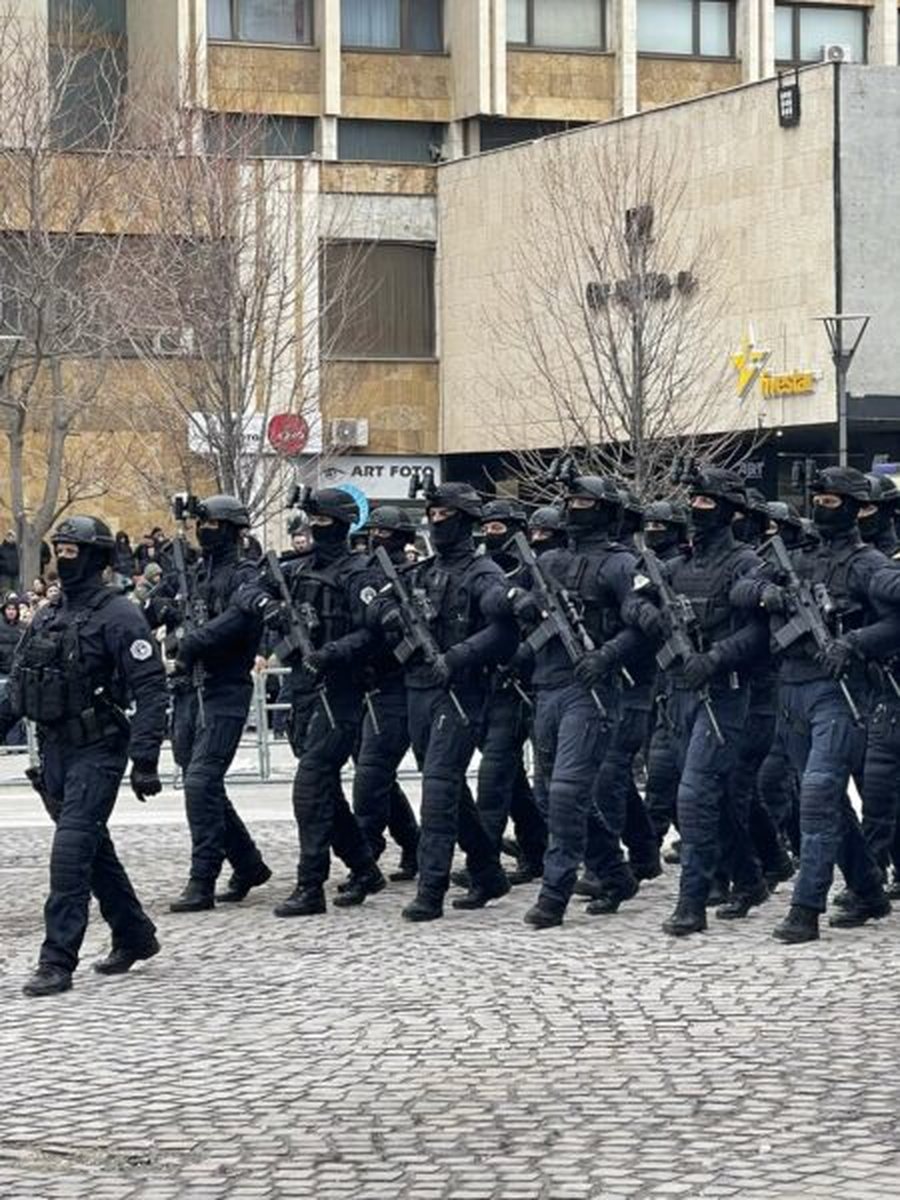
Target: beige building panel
399,400
667,80
394,179
396,87
264,79
761,197
560,87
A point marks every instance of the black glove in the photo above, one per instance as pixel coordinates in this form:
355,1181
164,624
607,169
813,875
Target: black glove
595,666
275,615
836,657
322,660
698,670
525,607
145,780
520,663
439,673
774,599
391,621
651,622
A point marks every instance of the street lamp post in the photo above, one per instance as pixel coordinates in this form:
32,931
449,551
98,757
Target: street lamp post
842,358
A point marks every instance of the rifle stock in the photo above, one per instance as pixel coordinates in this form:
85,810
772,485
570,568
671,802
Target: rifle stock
297,640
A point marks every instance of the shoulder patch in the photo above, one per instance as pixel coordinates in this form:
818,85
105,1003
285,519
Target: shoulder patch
367,595
140,650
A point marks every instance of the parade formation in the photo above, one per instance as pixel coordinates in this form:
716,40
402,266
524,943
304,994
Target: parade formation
707,661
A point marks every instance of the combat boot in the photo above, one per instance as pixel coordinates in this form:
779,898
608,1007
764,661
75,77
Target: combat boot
689,917
491,887
739,903
893,892
359,885
672,854
425,907
48,980
782,869
239,885
407,869
198,895
461,878
800,925
613,896
525,872
719,893
302,902
650,868
844,899
122,958
860,909
544,915
589,886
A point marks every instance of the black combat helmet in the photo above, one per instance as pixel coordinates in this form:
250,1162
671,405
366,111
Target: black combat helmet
334,503
883,490
665,512
548,517
843,481
597,487
720,483
508,511
784,519
392,518
461,496
227,509
84,531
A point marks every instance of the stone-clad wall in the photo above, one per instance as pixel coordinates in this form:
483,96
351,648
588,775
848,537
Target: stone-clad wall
562,87
264,79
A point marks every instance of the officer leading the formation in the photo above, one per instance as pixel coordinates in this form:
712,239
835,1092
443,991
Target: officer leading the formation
80,664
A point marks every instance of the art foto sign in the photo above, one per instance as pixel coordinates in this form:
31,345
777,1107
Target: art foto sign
749,362
379,478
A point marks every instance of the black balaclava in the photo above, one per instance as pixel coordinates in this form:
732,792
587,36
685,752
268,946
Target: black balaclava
790,534
832,522
330,542
451,532
880,522
750,527
84,572
214,542
494,542
394,541
708,522
602,518
662,540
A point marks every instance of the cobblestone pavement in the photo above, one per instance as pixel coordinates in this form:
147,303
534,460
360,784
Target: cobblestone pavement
352,1055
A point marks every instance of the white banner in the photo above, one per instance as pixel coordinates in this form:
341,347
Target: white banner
379,477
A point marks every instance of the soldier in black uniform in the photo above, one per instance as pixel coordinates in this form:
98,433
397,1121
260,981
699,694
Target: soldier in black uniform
378,800
326,589
824,739
79,666
225,647
503,787
462,596
728,641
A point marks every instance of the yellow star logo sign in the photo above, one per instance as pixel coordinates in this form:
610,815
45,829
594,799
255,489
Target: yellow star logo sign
748,362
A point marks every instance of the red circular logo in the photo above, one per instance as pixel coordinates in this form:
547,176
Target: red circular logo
288,433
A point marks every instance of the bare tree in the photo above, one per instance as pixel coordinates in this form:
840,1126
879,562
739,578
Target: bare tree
609,318
226,301
60,168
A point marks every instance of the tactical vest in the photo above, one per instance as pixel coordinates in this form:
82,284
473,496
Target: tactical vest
50,682
445,598
830,572
321,593
599,604
707,584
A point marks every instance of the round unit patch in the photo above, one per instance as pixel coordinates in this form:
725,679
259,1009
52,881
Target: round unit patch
141,650
367,595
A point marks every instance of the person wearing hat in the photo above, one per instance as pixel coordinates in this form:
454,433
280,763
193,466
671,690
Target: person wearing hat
74,673
823,729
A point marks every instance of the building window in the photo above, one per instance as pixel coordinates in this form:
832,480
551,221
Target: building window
378,300
802,30
414,25
284,22
696,28
390,141
557,24
95,16
497,132
239,135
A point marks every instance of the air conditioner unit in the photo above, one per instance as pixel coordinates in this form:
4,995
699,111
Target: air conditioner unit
835,52
350,432
171,343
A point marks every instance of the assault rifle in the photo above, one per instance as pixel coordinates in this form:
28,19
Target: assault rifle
682,622
561,617
417,634
192,613
301,621
810,603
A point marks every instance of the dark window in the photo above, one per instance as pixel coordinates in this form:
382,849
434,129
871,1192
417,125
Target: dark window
392,24
389,141
88,87
499,132
557,24
378,300
284,22
239,135
801,31
698,28
99,16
